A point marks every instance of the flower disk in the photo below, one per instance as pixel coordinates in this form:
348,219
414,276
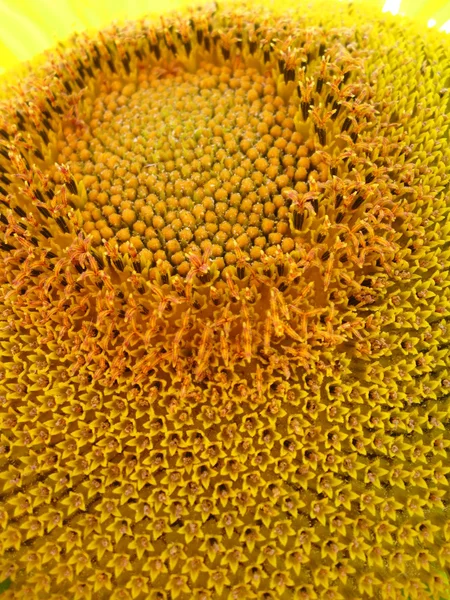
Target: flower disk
224,291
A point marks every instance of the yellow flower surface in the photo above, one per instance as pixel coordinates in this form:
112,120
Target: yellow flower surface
224,292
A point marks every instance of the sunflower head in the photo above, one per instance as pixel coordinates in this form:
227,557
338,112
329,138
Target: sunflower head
224,312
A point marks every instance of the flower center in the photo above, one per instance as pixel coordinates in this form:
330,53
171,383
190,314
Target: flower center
175,162
193,201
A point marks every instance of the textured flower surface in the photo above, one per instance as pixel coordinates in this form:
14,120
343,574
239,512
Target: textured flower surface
224,288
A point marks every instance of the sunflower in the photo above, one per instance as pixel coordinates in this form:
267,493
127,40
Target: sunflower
224,288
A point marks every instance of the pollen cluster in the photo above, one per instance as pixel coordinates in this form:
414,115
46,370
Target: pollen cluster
182,162
224,291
